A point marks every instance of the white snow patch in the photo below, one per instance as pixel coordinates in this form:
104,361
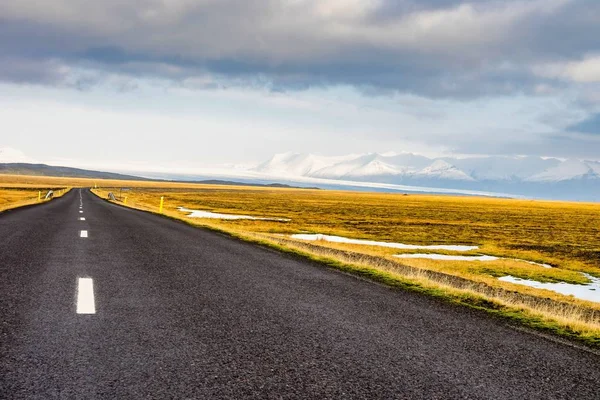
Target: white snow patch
467,258
460,248
534,263
340,239
590,291
212,215
446,257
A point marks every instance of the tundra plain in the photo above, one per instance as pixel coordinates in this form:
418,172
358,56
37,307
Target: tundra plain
522,234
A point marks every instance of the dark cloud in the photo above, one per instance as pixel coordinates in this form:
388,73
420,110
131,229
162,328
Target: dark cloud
566,35
23,71
434,48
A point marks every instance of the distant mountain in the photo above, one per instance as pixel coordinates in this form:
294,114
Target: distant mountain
531,176
537,177
441,169
502,168
568,170
356,167
252,184
49,170
298,164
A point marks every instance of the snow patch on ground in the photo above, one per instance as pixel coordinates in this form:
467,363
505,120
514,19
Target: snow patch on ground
446,257
467,258
534,263
590,292
212,215
340,239
459,248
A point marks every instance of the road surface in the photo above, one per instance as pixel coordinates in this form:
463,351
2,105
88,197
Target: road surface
129,305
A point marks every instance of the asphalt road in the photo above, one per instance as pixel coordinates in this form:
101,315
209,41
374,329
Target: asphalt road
184,313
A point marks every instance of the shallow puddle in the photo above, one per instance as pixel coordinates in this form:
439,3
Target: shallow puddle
590,292
212,215
341,239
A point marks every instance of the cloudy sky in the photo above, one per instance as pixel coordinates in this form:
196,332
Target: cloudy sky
200,82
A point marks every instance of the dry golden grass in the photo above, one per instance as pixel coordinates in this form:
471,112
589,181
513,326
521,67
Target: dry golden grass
562,234
462,269
18,190
501,227
577,316
7,180
565,235
14,197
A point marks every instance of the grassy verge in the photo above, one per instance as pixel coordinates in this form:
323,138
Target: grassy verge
547,322
555,314
15,197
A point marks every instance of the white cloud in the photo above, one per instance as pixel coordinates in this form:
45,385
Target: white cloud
586,70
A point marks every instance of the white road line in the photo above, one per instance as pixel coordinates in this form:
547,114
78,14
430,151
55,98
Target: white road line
85,296
81,212
81,218
83,234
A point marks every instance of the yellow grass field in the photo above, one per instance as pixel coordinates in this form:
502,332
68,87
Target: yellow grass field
565,235
20,190
562,234
14,197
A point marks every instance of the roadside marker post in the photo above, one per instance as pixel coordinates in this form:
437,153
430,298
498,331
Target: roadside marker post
162,201
40,195
125,201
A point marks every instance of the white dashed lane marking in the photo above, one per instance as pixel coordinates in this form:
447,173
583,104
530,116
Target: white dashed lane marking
85,296
82,218
83,234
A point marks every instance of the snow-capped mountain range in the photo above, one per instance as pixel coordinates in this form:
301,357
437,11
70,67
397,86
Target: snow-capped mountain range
530,176
411,166
535,176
